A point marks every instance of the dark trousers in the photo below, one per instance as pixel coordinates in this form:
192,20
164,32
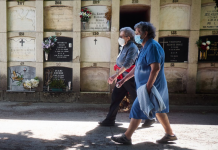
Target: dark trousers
118,95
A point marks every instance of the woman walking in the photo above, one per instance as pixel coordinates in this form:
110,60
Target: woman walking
149,73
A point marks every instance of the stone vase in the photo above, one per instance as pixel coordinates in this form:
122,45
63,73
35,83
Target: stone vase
46,56
84,25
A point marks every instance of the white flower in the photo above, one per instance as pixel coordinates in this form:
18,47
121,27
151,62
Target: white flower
208,42
208,47
203,43
28,84
35,83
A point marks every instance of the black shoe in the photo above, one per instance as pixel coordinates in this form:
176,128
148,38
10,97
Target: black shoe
106,123
167,138
148,123
122,139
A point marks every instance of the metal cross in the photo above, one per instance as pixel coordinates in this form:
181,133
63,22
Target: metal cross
163,42
95,41
22,41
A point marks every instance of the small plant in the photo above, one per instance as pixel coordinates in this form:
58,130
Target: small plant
49,43
203,46
57,83
85,15
20,80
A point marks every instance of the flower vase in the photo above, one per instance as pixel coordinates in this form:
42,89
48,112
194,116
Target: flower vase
46,56
84,25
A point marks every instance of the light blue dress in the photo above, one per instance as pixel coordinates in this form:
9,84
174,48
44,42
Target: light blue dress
151,53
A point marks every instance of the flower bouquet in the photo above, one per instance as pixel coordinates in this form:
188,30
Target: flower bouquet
203,47
48,44
85,15
30,84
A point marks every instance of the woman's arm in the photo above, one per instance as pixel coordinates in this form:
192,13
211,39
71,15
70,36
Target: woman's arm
126,78
155,68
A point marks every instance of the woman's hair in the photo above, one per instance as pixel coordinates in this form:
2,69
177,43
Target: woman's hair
128,32
146,26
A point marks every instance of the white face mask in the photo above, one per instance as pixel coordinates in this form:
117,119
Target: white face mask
121,41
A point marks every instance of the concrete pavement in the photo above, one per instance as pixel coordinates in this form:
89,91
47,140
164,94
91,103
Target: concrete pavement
50,126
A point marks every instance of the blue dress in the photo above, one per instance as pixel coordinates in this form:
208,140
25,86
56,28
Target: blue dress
151,53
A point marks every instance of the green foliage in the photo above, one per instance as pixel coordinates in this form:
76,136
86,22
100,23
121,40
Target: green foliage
36,78
20,80
57,83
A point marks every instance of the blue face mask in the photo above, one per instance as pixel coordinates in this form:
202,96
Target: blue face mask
138,39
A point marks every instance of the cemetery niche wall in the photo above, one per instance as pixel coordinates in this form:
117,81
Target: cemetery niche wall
174,17
51,74
22,49
94,79
21,18
210,55
20,73
209,16
95,49
132,14
58,17
176,48
98,21
207,80
62,51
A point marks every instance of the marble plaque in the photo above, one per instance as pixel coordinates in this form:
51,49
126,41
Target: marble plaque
15,72
21,18
176,79
98,22
22,49
95,49
62,51
58,18
212,53
207,80
176,48
209,17
63,73
174,17
94,79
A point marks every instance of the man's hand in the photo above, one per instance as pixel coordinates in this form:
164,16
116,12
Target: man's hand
120,83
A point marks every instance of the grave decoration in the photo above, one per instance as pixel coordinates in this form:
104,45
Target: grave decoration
28,84
48,44
85,15
108,15
57,85
203,48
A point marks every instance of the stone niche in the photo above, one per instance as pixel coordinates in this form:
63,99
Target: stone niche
209,17
58,18
176,79
132,14
207,80
94,79
98,22
22,49
21,18
174,17
95,49
15,72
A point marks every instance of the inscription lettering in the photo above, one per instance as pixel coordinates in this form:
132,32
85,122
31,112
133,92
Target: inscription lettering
58,2
95,33
21,33
20,2
135,1
214,32
21,63
173,32
175,1
96,1
58,33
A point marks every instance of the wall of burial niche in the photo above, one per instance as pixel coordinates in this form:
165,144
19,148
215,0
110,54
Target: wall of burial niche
95,51
207,79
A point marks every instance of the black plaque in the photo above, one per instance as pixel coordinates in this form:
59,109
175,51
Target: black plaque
63,73
212,53
176,48
62,51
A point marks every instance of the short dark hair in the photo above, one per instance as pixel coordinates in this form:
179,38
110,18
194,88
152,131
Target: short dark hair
128,32
146,26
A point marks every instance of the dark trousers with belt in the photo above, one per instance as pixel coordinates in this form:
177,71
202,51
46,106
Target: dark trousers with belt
118,95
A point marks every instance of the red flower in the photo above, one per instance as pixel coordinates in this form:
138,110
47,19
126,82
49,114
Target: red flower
82,10
204,47
87,11
89,16
90,13
80,16
85,8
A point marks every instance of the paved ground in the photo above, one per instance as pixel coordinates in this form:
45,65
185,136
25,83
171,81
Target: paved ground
40,126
